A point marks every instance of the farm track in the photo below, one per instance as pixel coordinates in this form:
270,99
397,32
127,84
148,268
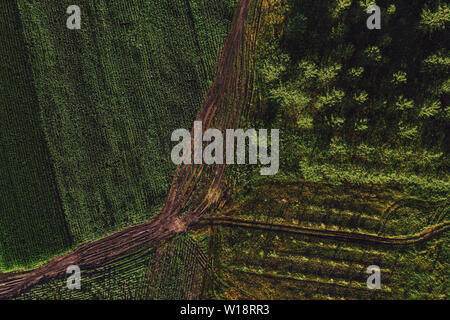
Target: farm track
194,190
330,234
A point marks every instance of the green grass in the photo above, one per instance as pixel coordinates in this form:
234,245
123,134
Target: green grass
89,113
166,270
125,278
274,265
265,264
112,93
32,222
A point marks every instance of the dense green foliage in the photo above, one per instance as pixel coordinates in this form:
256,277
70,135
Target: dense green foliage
359,105
364,119
30,207
88,114
112,93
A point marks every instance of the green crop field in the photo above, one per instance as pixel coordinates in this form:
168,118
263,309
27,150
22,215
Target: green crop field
32,222
112,93
257,264
102,102
166,270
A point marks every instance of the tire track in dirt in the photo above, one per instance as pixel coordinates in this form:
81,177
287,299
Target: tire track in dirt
330,234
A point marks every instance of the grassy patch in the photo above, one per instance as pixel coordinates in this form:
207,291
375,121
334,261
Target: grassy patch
32,221
112,93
